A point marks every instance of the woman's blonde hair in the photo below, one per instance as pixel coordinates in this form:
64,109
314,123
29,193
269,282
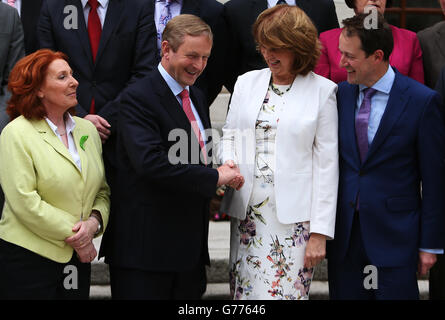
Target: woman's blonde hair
288,27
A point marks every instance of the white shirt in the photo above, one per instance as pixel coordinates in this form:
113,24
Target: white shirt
272,3
101,10
17,5
70,124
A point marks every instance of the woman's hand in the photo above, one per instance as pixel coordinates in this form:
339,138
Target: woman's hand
315,250
85,231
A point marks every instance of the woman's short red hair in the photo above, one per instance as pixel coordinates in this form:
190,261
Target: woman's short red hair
25,80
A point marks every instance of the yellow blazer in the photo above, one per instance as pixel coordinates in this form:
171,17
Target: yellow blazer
45,193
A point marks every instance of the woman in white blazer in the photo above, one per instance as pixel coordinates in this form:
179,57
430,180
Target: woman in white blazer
281,132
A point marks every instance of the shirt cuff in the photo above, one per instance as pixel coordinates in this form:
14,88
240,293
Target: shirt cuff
435,251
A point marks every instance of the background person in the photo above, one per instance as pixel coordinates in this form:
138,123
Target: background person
406,56
11,50
241,15
52,174
432,42
282,216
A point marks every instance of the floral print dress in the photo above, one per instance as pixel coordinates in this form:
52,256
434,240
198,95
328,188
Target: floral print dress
266,256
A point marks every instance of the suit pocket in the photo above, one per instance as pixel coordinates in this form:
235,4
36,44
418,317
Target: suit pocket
402,204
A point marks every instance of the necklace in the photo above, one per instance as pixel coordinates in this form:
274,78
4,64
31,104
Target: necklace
276,90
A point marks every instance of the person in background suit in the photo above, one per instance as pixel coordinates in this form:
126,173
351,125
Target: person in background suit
391,142
212,12
29,11
432,41
157,246
284,213
241,15
52,173
406,56
111,45
11,50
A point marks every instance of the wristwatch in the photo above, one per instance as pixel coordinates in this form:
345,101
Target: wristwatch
99,227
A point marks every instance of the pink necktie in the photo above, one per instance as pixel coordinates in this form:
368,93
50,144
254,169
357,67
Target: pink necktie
11,3
94,32
186,105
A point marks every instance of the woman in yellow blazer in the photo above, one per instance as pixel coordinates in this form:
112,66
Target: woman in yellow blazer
52,174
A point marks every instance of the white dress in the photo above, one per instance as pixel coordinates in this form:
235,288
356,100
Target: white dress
266,256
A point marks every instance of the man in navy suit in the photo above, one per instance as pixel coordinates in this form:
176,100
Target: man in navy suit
126,51
390,220
157,238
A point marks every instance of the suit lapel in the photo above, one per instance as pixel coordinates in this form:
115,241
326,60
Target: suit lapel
191,7
169,101
438,38
257,6
398,98
348,107
77,135
81,31
114,11
48,135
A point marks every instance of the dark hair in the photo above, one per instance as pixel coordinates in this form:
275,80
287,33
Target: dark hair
351,3
288,27
371,39
25,80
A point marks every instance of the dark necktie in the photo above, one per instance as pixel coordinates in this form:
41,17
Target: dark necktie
186,105
281,2
362,122
94,32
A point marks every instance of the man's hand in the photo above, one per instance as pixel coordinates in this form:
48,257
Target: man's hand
426,262
101,125
229,174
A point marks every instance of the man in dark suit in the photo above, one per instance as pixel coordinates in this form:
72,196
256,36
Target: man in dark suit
212,12
241,15
109,47
391,142
157,237
29,11
11,50
432,42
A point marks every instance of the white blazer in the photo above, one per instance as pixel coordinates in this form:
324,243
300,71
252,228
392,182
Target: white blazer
306,149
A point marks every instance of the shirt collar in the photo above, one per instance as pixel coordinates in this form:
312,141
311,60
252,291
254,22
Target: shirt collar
174,86
102,3
384,84
70,124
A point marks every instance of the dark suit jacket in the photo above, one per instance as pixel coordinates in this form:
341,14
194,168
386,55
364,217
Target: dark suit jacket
432,42
396,218
161,223
126,53
29,15
241,15
440,87
212,12
11,50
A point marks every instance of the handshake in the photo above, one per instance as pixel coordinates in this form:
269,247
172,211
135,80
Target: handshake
230,175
